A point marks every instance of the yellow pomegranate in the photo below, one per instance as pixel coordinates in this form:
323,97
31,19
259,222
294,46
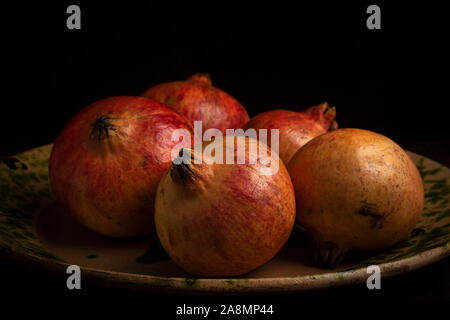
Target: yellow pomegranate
355,190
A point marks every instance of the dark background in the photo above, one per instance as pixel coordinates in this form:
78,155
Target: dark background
266,55
273,55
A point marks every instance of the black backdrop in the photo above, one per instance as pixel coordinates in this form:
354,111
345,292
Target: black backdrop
266,55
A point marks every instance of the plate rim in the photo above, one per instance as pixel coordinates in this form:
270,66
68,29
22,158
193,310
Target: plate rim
233,286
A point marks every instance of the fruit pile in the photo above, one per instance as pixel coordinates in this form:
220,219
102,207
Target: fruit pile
131,166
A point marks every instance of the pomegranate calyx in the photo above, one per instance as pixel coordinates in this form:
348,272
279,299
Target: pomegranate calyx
101,126
327,254
201,77
182,174
324,115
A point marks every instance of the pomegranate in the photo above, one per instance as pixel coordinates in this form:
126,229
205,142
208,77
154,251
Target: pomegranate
224,219
106,163
197,100
355,190
296,128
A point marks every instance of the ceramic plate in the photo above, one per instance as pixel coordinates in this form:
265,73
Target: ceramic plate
36,231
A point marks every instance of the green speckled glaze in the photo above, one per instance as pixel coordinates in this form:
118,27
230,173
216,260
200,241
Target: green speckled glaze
190,282
25,190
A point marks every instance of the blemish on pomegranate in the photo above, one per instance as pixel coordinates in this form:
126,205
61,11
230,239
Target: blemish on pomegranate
371,210
144,161
180,97
167,101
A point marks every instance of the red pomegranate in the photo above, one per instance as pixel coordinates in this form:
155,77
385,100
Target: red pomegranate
225,219
295,128
197,100
106,163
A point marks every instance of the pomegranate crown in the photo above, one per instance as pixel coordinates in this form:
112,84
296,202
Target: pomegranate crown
201,77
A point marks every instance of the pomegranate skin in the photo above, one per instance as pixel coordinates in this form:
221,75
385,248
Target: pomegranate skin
219,220
197,100
295,128
355,190
106,163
